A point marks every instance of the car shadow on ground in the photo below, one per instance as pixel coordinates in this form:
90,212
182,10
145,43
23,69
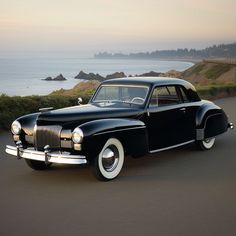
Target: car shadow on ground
184,163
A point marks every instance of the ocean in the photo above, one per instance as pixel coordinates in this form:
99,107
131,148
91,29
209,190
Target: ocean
23,77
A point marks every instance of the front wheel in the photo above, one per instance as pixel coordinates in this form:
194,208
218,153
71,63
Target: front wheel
108,164
206,144
37,165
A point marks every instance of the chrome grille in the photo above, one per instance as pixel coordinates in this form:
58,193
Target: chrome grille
47,135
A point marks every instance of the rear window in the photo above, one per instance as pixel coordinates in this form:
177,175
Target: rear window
183,94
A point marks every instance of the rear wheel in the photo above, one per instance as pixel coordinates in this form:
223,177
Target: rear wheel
108,164
206,144
37,165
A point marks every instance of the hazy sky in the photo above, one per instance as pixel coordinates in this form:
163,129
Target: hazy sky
88,26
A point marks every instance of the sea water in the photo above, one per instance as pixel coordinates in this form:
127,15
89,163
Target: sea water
23,76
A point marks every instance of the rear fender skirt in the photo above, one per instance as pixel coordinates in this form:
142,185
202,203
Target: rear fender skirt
204,111
211,121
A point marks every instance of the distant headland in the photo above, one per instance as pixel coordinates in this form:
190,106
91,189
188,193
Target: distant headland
192,55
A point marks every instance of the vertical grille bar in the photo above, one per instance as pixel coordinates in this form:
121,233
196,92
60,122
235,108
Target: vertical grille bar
47,135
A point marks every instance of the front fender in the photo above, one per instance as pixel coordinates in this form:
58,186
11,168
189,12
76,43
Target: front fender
131,133
27,128
97,127
28,122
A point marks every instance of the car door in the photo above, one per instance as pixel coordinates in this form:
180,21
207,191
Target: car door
189,130
166,118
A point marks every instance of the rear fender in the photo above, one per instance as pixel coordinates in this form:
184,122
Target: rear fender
211,121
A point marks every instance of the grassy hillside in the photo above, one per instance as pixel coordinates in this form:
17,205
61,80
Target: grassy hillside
209,73
83,89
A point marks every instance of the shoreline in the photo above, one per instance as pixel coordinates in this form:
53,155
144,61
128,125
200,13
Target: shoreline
20,81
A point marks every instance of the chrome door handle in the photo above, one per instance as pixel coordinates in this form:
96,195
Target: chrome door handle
183,109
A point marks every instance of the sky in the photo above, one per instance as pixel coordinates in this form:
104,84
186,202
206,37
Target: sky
84,27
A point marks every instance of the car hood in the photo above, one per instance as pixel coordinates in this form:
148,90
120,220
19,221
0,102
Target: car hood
84,113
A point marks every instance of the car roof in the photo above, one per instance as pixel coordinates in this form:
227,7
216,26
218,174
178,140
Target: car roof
148,81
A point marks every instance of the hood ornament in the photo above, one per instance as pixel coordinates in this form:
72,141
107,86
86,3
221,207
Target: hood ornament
45,109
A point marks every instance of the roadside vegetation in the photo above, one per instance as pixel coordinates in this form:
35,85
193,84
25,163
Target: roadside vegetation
13,107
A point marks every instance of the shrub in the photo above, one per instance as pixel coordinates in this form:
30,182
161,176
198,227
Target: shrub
13,107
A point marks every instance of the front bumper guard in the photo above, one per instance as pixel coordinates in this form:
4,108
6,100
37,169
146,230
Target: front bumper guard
46,156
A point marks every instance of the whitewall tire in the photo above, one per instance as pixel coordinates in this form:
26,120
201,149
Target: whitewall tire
206,144
108,164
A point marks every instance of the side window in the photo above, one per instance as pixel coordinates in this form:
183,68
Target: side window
154,98
164,96
183,94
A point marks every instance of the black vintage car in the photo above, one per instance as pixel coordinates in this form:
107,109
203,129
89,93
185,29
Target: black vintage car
128,116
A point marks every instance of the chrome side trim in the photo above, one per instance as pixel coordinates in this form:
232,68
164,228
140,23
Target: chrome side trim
118,130
174,146
31,154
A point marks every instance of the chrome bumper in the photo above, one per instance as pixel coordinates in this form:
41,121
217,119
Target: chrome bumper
46,156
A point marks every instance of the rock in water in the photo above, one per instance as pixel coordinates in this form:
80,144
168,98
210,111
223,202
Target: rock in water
90,76
48,78
151,74
57,78
116,75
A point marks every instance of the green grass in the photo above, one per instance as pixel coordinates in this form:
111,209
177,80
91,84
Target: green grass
217,91
217,70
194,70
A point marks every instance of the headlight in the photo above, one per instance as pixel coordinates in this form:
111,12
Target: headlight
77,135
16,127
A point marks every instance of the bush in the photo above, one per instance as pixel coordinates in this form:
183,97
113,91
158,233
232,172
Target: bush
217,91
14,107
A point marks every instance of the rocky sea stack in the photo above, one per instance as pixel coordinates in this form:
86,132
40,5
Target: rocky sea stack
92,76
57,78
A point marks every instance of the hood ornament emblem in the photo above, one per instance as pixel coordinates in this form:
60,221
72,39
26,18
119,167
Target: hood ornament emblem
45,109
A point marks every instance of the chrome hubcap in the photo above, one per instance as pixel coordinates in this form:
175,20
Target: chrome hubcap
207,140
110,158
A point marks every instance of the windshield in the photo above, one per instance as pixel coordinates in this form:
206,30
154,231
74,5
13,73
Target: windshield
121,93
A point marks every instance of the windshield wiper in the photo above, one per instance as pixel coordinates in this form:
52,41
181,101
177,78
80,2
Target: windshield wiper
115,101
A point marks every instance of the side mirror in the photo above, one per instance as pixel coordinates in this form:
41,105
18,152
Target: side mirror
80,100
